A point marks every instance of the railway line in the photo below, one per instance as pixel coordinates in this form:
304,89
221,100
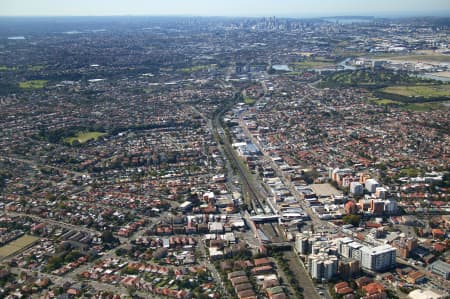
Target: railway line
248,185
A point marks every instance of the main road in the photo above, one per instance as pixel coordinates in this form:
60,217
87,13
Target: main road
292,188
248,179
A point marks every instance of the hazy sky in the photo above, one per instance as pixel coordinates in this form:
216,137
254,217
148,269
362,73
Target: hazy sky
224,7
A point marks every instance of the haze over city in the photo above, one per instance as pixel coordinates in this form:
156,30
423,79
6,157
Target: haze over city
286,8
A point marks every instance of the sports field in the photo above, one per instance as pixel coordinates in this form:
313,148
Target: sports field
425,91
33,84
17,245
83,137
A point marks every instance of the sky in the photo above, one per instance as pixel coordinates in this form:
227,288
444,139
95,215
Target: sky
291,8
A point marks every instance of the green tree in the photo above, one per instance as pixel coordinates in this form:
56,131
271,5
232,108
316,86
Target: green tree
108,237
352,219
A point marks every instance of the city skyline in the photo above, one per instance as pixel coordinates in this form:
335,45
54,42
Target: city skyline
251,8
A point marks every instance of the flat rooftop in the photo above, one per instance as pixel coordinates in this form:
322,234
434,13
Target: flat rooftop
325,190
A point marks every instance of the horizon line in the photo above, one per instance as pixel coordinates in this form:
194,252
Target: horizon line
441,14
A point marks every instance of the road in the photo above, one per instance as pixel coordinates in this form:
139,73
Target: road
215,274
63,224
317,222
247,179
296,265
250,182
230,173
54,222
445,284
36,164
61,280
305,281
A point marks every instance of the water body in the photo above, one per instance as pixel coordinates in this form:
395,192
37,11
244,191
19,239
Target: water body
345,66
341,66
281,67
434,77
16,37
73,32
90,31
347,20
95,80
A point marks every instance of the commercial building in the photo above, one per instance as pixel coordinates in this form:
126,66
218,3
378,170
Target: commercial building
405,246
348,268
378,258
377,207
380,192
301,244
322,266
371,185
348,250
390,206
356,188
440,268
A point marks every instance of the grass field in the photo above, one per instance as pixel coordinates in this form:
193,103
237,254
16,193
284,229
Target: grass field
425,91
410,172
369,79
83,137
17,245
33,84
383,101
312,64
416,107
4,68
35,67
414,57
197,68
249,101
423,107
428,58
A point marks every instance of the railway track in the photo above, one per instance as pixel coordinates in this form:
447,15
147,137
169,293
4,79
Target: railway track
248,185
